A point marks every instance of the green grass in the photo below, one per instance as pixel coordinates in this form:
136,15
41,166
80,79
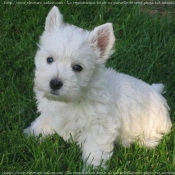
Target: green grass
145,48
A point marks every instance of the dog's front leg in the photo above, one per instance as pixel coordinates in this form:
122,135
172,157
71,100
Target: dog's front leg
40,126
97,149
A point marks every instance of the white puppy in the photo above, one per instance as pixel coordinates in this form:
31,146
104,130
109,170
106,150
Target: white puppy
78,97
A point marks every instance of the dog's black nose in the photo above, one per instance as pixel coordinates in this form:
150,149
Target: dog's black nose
55,84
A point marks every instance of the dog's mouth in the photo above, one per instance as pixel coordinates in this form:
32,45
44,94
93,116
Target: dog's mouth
54,93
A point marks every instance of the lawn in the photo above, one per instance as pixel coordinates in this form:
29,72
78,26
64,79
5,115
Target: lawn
145,48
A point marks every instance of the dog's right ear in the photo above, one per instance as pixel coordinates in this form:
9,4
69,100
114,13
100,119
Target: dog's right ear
53,19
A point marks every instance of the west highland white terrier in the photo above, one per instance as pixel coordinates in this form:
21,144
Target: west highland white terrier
79,98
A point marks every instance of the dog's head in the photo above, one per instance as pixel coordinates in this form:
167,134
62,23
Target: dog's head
69,57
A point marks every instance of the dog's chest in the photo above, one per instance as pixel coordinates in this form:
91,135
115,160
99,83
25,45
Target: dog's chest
77,118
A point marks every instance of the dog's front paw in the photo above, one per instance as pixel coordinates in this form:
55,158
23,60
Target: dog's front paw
28,131
37,129
88,168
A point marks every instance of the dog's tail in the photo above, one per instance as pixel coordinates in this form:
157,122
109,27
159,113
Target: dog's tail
158,87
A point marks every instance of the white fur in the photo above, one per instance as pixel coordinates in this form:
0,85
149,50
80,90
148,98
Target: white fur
96,106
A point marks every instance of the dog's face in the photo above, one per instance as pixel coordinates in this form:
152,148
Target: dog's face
68,57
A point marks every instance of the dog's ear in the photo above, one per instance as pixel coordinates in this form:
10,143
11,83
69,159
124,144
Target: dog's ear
53,19
102,40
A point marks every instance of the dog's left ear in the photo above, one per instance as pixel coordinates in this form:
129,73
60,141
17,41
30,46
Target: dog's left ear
53,19
102,40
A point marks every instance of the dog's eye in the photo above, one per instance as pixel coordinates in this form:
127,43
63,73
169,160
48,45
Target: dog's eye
77,68
50,60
